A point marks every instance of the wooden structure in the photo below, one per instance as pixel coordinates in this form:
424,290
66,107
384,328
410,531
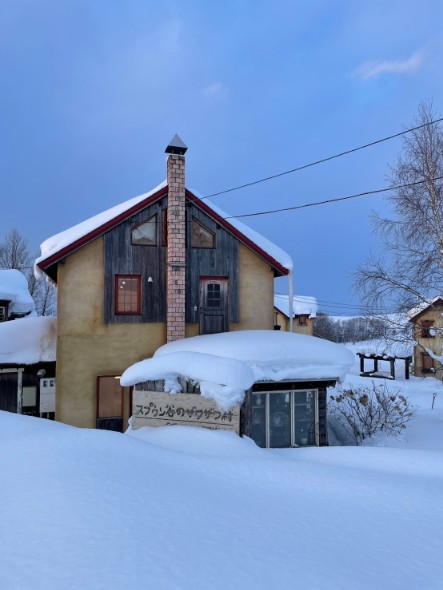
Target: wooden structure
122,295
21,387
274,414
378,358
427,326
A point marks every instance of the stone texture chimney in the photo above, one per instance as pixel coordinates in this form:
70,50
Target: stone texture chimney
176,273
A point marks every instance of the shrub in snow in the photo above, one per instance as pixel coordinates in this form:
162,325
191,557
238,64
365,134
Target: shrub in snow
363,411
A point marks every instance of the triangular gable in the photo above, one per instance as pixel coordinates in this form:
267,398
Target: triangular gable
416,312
65,243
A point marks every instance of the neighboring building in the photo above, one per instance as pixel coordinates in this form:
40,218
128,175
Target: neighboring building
304,311
27,366
270,386
15,299
160,267
427,322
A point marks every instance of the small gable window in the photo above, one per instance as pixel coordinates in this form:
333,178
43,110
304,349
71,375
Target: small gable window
145,234
202,237
427,329
127,294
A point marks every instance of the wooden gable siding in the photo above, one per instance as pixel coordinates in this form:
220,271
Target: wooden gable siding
221,261
121,257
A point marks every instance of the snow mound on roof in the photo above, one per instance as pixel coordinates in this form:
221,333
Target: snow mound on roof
14,288
302,305
224,380
266,245
28,341
422,306
69,236
259,355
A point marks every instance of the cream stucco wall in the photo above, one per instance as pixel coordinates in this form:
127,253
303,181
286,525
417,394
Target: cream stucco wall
87,347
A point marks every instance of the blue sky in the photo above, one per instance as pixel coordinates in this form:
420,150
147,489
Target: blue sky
92,91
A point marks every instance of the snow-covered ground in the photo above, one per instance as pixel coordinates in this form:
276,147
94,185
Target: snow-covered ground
187,508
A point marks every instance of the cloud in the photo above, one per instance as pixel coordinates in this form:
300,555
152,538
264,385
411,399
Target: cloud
215,89
373,69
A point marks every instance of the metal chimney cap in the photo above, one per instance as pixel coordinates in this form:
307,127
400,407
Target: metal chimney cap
176,146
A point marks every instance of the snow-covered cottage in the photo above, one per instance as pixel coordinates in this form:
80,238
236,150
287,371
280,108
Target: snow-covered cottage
304,311
270,386
160,267
427,323
27,350
15,299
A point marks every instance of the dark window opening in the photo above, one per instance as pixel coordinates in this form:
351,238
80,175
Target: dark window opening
303,320
127,294
427,329
145,234
202,237
427,363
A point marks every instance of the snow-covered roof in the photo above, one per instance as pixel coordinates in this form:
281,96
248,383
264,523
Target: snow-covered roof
253,355
94,226
415,311
27,341
302,305
14,288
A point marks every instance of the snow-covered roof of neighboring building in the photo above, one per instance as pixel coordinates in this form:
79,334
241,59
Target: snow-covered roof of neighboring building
64,243
415,311
14,288
227,364
27,341
302,305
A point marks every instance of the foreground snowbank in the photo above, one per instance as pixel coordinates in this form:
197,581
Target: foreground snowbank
184,508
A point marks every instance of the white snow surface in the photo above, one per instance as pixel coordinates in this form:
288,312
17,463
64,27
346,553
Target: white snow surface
222,379
302,305
14,288
182,508
235,360
27,341
65,238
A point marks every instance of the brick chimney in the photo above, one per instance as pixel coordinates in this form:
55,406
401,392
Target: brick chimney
176,273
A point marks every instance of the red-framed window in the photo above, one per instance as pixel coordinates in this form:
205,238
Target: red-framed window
127,294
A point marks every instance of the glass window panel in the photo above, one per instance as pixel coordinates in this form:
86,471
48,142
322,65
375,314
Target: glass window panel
304,418
279,420
145,234
109,397
213,295
259,419
128,294
202,237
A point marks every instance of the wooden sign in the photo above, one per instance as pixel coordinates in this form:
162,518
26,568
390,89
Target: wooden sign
154,408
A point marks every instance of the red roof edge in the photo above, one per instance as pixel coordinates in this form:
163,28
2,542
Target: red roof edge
98,231
237,233
46,263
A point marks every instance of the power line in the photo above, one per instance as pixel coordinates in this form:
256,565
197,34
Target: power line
336,200
323,160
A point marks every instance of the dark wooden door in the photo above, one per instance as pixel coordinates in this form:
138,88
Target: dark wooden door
8,392
214,310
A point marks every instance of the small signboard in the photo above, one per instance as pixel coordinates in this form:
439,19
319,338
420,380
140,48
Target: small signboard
154,408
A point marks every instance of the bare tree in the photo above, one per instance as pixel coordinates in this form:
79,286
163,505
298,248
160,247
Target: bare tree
14,254
409,270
